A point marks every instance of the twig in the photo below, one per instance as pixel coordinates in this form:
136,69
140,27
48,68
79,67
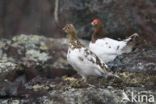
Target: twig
56,11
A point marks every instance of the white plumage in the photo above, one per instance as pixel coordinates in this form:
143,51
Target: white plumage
107,49
84,61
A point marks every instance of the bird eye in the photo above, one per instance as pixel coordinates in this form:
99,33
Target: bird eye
93,23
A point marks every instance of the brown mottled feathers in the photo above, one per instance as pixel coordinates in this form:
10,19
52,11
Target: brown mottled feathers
71,31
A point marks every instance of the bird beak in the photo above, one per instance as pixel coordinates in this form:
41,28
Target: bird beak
64,29
93,24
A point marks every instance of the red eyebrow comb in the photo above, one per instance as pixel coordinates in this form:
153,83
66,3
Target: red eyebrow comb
95,20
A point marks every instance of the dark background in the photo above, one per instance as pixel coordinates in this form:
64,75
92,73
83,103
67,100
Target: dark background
120,18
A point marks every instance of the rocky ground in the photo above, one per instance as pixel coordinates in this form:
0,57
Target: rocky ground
34,70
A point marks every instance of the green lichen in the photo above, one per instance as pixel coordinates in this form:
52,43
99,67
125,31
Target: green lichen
5,68
43,46
37,55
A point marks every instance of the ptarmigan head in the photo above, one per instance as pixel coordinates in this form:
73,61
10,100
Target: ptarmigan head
98,30
95,22
70,30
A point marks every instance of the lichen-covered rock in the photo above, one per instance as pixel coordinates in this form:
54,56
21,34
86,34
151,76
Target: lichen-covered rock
96,96
36,56
139,61
35,53
4,45
29,41
34,69
91,96
6,68
118,22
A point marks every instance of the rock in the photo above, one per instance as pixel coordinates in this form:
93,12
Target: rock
34,69
138,61
94,96
7,68
137,16
91,96
11,102
37,55
11,88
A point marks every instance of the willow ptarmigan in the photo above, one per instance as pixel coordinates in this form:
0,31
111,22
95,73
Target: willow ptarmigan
106,48
84,61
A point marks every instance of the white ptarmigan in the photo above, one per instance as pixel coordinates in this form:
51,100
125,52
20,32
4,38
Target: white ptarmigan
106,48
84,61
